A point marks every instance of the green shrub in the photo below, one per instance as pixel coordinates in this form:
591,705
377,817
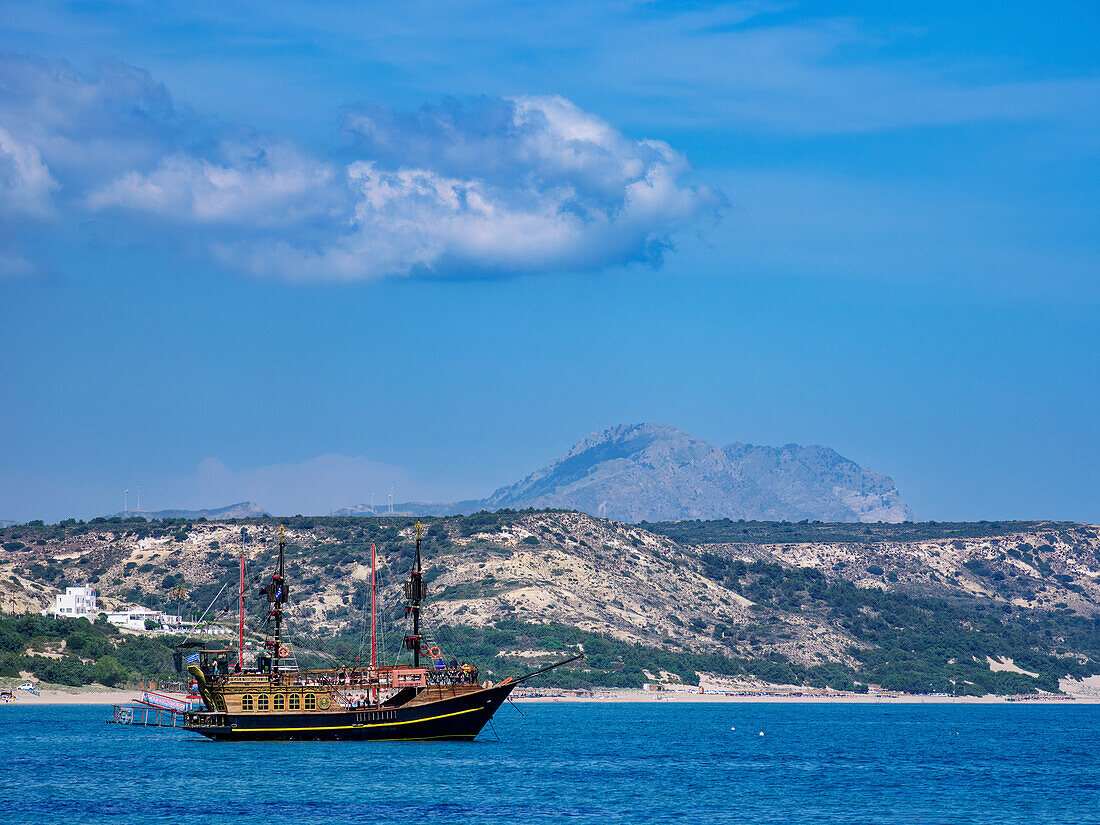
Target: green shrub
68,670
978,568
11,641
109,671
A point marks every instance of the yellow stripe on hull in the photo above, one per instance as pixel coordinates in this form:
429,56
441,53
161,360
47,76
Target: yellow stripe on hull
355,727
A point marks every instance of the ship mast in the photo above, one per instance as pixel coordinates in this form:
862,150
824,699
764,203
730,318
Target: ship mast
414,592
277,596
418,592
240,637
373,588
280,592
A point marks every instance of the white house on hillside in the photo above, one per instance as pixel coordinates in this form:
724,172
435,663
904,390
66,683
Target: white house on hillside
77,602
74,603
135,619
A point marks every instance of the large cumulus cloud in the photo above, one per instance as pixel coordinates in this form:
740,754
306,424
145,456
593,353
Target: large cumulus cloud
488,186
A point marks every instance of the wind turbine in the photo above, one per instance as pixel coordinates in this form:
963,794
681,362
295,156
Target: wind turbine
125,507
139,498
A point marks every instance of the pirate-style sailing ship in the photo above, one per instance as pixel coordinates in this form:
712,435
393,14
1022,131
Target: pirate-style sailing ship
274,699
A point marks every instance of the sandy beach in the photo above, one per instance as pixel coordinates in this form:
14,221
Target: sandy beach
854,699
71,696
1085,692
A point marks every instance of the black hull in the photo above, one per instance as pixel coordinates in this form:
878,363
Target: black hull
458,718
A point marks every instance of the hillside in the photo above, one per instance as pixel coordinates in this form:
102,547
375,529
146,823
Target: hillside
1025,564
935,609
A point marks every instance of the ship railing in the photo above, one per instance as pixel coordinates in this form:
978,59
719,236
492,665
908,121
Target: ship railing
364,678
159,700
286,664
146,715
378,678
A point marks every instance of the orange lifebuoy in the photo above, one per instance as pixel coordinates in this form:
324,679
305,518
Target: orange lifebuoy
436,652
284,651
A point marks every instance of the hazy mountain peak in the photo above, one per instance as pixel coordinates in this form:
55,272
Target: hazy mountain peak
627,438
656,472
242,509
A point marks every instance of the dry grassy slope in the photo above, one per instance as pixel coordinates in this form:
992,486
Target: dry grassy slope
1039,568
605,577
108,554
594,574
565,567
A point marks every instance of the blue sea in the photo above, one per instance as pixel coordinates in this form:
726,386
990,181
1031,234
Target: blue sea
577,763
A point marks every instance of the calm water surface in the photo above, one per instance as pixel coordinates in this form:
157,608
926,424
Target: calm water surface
578,763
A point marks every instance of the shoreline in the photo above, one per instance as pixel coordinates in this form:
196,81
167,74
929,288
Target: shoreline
684,697
107,696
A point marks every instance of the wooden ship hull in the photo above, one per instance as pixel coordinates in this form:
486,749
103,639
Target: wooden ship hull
457,717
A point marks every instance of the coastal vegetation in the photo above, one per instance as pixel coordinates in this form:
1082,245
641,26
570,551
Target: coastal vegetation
79,652
729,531
915,607
926,645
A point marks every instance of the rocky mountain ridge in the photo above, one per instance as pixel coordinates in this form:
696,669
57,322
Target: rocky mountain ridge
655,472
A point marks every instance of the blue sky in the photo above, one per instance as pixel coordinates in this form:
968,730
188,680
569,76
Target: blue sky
306,252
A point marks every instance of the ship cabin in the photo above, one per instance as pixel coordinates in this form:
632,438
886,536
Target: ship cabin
268,688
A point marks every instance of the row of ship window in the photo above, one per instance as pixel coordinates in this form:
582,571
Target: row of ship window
293,700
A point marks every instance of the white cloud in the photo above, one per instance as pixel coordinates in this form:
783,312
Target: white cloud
260,183
491,186
88,127
533,184
25,180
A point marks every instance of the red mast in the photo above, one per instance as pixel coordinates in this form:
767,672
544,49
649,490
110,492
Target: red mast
240,640
373,648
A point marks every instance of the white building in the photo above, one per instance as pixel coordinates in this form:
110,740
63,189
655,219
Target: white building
74,603
135,619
